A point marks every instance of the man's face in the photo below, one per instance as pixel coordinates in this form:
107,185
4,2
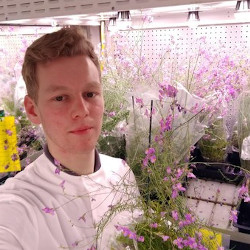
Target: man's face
70,104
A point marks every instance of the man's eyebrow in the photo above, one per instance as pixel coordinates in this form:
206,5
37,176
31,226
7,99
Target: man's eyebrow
54,88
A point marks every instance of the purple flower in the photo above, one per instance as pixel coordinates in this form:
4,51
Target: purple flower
57,163
150,156
233,216
174,193
150,151
167,90
128,233
139,101
189,219
179,187
247,199
179,242
168,170
163,214
179,173
175,215
82,217
14,157
48,210
165,237
140,238
166,124
111,114
62,184
243,191
154,225
190,242
191,175
8,132
57,170
75,244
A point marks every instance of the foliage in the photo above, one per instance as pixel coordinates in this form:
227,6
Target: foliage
168,106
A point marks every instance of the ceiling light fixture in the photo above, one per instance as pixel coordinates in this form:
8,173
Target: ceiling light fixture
193,18
242,10
112,27
124,20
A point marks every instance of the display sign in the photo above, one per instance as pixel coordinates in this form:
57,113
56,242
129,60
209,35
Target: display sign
9,158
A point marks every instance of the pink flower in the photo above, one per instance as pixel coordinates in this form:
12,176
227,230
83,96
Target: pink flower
62,184
140,238
175,215
168,169
247,199
14,157
179,242
150,151
174,193
111,114
152,158
166,124
163,214
189,218
233,216
243,191
179,187
179,173
57,170
8,132
75,244
154,225
57,163
48,210
82,217
165,237
58,166
139,101
191,175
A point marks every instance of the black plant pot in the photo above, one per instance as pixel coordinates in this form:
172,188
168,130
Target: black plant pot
243,221
221,171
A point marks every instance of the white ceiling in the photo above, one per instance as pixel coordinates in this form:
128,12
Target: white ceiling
177,12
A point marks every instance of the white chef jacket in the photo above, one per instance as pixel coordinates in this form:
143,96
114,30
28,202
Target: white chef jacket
40,209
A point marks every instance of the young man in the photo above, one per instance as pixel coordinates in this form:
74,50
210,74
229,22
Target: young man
66,198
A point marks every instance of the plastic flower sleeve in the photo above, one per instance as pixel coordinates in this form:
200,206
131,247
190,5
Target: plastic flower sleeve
244,129
183,113
188,127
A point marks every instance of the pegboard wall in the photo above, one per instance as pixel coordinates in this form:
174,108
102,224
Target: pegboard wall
13,43
155,42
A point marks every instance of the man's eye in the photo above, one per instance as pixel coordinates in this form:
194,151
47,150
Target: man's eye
59,98
90,94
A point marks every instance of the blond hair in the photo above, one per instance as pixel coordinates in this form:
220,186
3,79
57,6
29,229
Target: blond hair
66,42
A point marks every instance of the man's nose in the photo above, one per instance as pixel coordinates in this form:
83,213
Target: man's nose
80,107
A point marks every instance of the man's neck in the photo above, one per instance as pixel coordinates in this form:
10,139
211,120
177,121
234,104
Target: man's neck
81,164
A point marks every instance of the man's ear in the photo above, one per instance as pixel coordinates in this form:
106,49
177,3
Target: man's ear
31,110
